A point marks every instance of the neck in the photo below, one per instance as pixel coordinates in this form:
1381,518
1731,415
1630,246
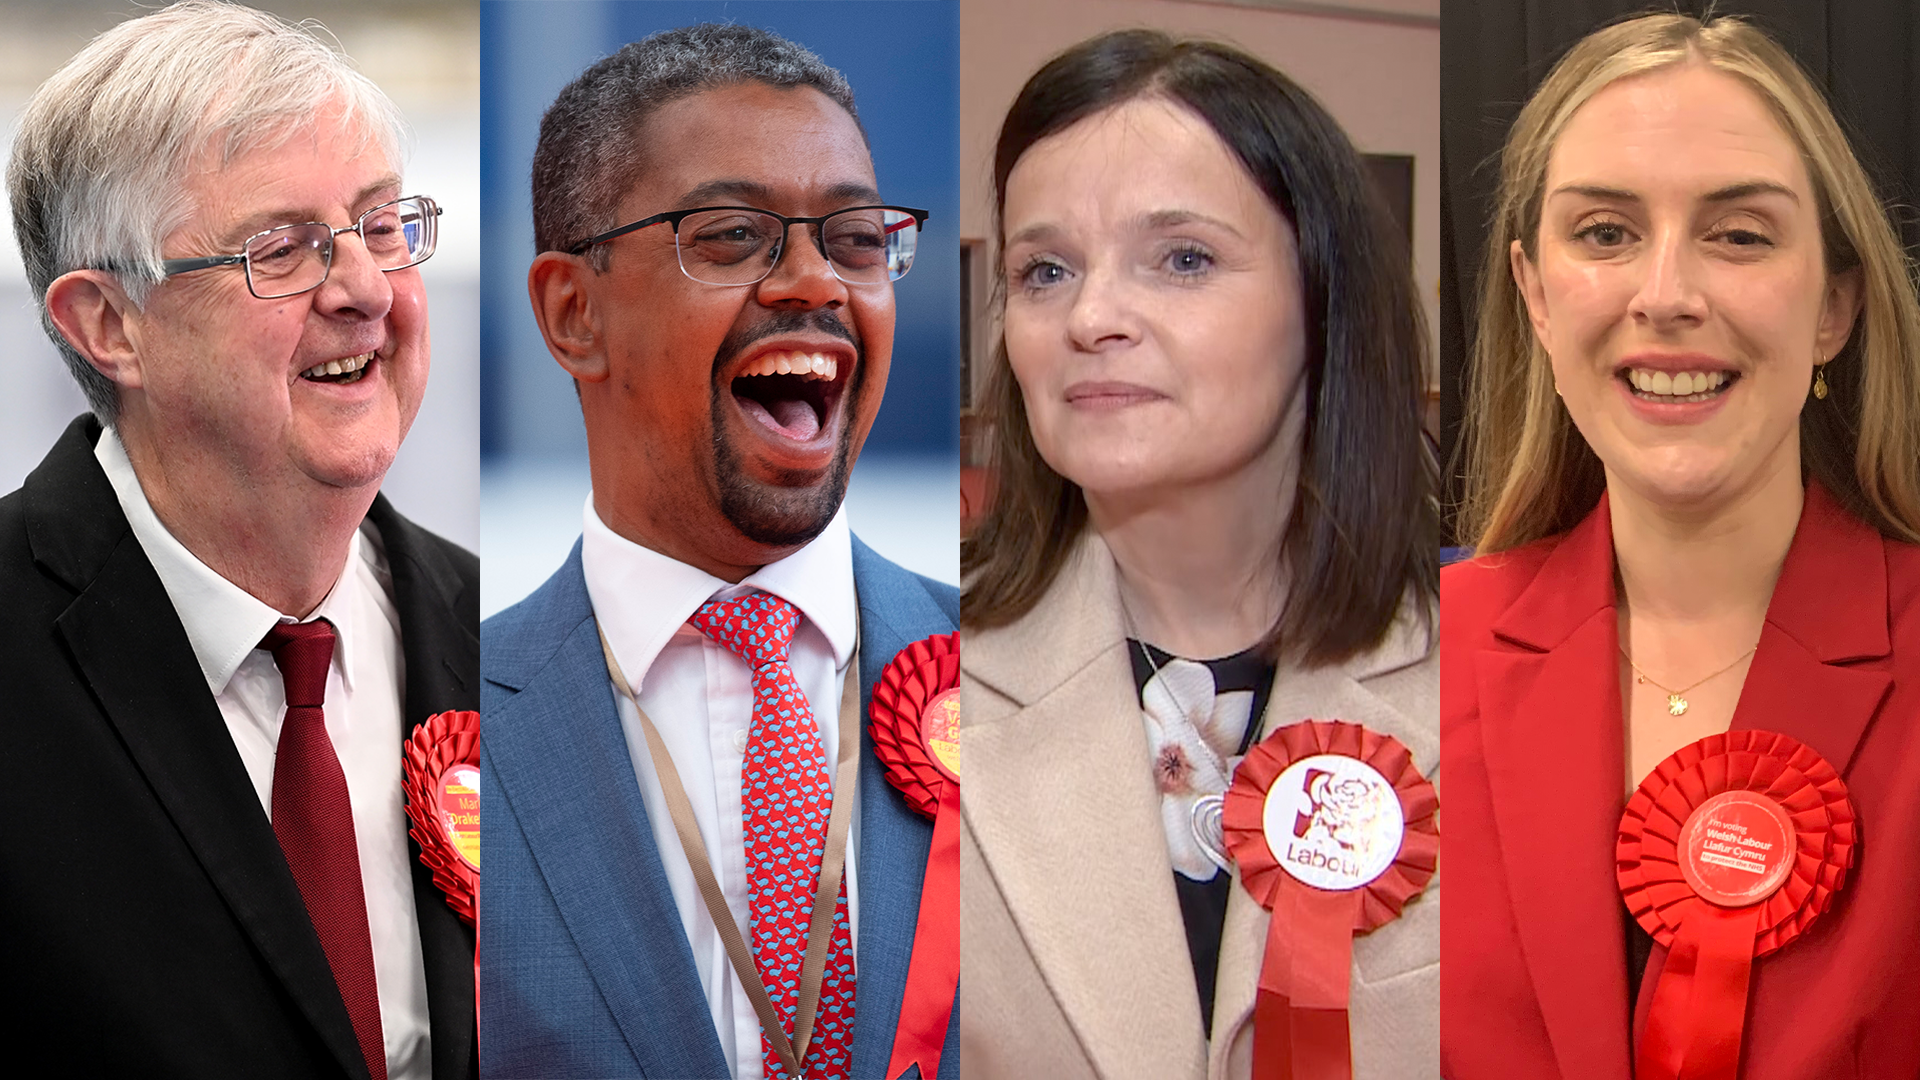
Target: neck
1706,565
284,542
1199,564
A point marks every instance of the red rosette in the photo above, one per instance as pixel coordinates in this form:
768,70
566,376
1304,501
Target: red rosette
439,773
1694,1024
1785,770
915,729
1300,1013
925,672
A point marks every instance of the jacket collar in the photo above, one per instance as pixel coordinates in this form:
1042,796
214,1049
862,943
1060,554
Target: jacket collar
1074,751
130,647
1551,724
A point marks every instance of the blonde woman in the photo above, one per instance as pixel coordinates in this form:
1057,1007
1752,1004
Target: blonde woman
1694,433
1214,519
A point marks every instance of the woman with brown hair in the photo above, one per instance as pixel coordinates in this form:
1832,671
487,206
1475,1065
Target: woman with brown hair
1694,480
1214,518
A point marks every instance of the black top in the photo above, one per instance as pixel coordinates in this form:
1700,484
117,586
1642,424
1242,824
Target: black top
1243,678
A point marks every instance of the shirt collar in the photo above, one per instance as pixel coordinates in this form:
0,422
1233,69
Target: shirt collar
642,598
223,621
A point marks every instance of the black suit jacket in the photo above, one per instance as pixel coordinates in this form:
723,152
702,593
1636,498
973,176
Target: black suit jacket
149,925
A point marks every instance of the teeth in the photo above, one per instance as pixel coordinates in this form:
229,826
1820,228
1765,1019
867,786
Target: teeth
1687,385
338,367
811,365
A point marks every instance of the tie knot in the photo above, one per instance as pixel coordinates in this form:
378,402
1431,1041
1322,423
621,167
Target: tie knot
303,651
757,627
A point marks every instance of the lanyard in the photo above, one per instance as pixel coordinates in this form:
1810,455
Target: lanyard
833,861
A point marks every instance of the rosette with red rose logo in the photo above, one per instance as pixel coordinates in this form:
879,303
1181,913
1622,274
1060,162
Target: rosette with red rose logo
441,776
1728,850
916,735
1333,828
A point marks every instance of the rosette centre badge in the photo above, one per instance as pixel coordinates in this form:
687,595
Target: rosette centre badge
1737,848
1333,822
458,797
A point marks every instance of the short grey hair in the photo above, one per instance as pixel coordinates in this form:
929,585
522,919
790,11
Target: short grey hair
100,163
589,152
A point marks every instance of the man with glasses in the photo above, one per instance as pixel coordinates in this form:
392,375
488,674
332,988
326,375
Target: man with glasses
218,636
663,719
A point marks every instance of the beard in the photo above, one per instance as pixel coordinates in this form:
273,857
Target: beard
784,514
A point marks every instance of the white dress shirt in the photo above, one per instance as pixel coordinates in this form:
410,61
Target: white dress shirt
699,696
365,685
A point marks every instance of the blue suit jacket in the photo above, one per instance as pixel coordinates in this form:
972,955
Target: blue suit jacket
584,969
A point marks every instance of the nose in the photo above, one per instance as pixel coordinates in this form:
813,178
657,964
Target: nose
802,278
1669,295
355,288
1101,315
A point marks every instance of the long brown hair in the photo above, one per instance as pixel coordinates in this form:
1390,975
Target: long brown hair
1362,532
1530,473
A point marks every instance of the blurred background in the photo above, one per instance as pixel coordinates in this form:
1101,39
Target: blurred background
902,59
1374,64
426,55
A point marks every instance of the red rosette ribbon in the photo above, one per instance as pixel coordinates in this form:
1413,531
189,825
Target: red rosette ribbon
1727,851
441,775
916,736
1300,1013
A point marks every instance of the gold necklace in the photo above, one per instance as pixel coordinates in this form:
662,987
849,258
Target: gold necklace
1676,701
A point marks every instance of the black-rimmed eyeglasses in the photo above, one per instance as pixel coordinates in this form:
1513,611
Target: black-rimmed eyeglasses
740,245
292,259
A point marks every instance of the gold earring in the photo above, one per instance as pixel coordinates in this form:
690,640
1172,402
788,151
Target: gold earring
1820,381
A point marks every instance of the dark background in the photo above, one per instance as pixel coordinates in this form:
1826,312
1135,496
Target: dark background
1865,54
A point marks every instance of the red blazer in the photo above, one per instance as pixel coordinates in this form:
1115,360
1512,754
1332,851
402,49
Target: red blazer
1533,974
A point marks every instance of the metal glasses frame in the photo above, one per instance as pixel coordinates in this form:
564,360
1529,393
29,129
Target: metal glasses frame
675,217
206,262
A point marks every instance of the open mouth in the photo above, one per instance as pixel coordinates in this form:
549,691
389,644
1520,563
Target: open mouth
1677,388
792,393
350,370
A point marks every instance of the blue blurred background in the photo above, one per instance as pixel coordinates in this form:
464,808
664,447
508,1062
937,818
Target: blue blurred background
903,62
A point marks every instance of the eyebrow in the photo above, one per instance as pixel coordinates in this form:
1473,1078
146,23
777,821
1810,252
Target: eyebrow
254,224
847,191
1151,221
1730,193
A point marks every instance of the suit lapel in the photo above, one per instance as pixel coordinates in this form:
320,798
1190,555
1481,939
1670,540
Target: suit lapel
439,618
1828,609
1323,693
895,611
1096,906
564,769
1551,721
134,654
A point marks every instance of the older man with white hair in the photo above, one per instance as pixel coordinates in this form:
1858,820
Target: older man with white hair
218,637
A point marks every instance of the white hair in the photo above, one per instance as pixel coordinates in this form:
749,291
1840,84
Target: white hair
105,147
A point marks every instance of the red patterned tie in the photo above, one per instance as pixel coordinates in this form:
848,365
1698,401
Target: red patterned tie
786,794
314,822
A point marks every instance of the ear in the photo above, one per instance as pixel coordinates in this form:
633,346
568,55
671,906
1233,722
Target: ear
559,286
1839,310
93,313
1526,277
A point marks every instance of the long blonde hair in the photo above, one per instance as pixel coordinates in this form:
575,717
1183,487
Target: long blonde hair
1530,473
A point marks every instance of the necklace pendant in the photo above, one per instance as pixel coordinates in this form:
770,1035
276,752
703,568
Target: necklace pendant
1676,705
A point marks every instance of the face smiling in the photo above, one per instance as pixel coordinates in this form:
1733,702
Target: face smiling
314,389
729,417
1153,304
1680,287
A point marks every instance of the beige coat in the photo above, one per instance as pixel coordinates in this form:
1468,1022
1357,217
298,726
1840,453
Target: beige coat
1074,960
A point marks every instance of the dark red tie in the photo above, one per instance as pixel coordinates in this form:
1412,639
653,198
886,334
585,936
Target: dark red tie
314,822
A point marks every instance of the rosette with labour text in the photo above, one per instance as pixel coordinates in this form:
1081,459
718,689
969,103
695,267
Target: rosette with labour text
441,776
1728,851
916,736
1334,830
